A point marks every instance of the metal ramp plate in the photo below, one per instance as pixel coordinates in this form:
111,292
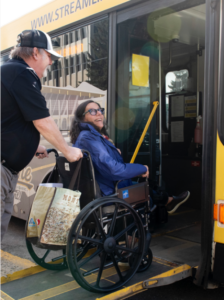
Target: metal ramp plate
60,285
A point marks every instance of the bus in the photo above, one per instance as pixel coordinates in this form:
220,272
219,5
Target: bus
126,54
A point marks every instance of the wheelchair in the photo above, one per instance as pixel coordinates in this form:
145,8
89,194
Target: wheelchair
109,239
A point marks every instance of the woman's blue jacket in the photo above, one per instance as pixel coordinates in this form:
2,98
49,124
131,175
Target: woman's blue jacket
108,164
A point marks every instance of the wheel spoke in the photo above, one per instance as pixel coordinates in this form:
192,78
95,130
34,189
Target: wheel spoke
45,255
86,238
112,225
116,267
86,260
119,235
98,224
102,260
127,249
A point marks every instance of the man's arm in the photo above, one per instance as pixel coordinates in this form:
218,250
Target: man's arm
48,128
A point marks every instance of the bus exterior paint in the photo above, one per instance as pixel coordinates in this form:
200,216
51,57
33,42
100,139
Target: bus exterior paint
218,227
54,15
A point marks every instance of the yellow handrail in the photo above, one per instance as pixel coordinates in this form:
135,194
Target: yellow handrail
155,104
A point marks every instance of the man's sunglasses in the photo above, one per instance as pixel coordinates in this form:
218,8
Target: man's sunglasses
94,111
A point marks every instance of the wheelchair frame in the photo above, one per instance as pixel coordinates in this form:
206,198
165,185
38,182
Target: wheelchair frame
94,231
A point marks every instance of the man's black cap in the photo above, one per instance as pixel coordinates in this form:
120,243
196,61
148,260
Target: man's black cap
38,39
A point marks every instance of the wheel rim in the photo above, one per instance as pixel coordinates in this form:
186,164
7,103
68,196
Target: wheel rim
43,254
145,262
92,272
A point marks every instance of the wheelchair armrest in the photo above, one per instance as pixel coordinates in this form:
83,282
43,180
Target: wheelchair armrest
113,195
153,208
116,185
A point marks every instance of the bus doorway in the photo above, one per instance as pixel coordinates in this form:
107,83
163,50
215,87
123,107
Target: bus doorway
160,57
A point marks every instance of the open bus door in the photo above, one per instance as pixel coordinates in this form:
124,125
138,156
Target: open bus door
135,99
212,240
218,236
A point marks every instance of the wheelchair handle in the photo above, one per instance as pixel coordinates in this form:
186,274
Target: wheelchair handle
49,151
85,152
57,155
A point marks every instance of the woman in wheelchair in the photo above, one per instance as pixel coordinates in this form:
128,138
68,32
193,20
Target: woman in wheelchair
122,234
88,132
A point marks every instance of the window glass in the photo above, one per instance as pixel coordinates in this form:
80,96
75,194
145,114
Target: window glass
176,82
81,74
4,59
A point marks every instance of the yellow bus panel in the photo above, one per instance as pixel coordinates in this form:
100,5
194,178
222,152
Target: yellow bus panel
54,15
219,198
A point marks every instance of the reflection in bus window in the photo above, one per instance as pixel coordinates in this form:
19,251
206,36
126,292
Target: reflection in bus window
4,59
80,75
176,81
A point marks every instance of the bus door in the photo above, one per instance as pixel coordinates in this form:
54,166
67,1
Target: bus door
217,265
161,56
137,89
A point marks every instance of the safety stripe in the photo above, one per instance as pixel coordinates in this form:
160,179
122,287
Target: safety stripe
73,285
138,287
32,270
16,259
4,296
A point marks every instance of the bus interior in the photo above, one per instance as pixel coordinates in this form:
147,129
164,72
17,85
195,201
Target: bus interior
170,44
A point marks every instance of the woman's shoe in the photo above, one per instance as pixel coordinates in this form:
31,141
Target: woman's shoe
177,201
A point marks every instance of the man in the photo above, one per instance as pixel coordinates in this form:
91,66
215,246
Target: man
24,115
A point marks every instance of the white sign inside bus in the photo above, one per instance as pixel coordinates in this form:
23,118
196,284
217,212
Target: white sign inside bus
54,15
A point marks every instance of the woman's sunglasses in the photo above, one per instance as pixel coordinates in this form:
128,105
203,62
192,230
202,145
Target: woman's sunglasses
94,111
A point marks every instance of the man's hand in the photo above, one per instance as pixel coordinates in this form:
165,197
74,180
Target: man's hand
42,152
51,133
73,154
146,173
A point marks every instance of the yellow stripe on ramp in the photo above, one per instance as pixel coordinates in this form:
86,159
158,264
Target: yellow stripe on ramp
22,274
4,296
16,260
70,286
34,269
138,287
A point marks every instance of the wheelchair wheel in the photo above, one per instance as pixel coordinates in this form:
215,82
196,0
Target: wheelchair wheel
146,261
41,255
58,259
100,271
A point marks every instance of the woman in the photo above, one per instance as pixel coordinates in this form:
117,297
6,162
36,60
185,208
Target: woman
88,132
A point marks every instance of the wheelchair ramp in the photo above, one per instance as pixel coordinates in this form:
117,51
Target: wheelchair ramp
176,249
61,285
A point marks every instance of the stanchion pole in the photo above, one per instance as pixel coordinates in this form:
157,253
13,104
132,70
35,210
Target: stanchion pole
155,104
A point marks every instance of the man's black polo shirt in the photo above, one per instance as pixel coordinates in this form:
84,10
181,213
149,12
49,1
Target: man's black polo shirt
21,103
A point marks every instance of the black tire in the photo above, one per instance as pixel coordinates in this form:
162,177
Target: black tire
146,261
40,258
106,244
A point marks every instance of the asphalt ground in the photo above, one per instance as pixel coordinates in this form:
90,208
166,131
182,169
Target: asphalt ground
14,254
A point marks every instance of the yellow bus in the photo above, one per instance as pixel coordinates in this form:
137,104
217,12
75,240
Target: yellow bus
126,54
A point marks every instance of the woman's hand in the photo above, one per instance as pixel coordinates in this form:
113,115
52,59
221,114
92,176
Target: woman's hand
146,174
119,151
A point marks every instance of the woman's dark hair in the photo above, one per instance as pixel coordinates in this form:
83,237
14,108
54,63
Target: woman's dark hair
78,118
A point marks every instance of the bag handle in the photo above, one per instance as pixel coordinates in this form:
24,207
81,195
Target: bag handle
76,176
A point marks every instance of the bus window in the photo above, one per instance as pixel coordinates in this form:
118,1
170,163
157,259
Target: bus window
3,59
81,73
176,81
